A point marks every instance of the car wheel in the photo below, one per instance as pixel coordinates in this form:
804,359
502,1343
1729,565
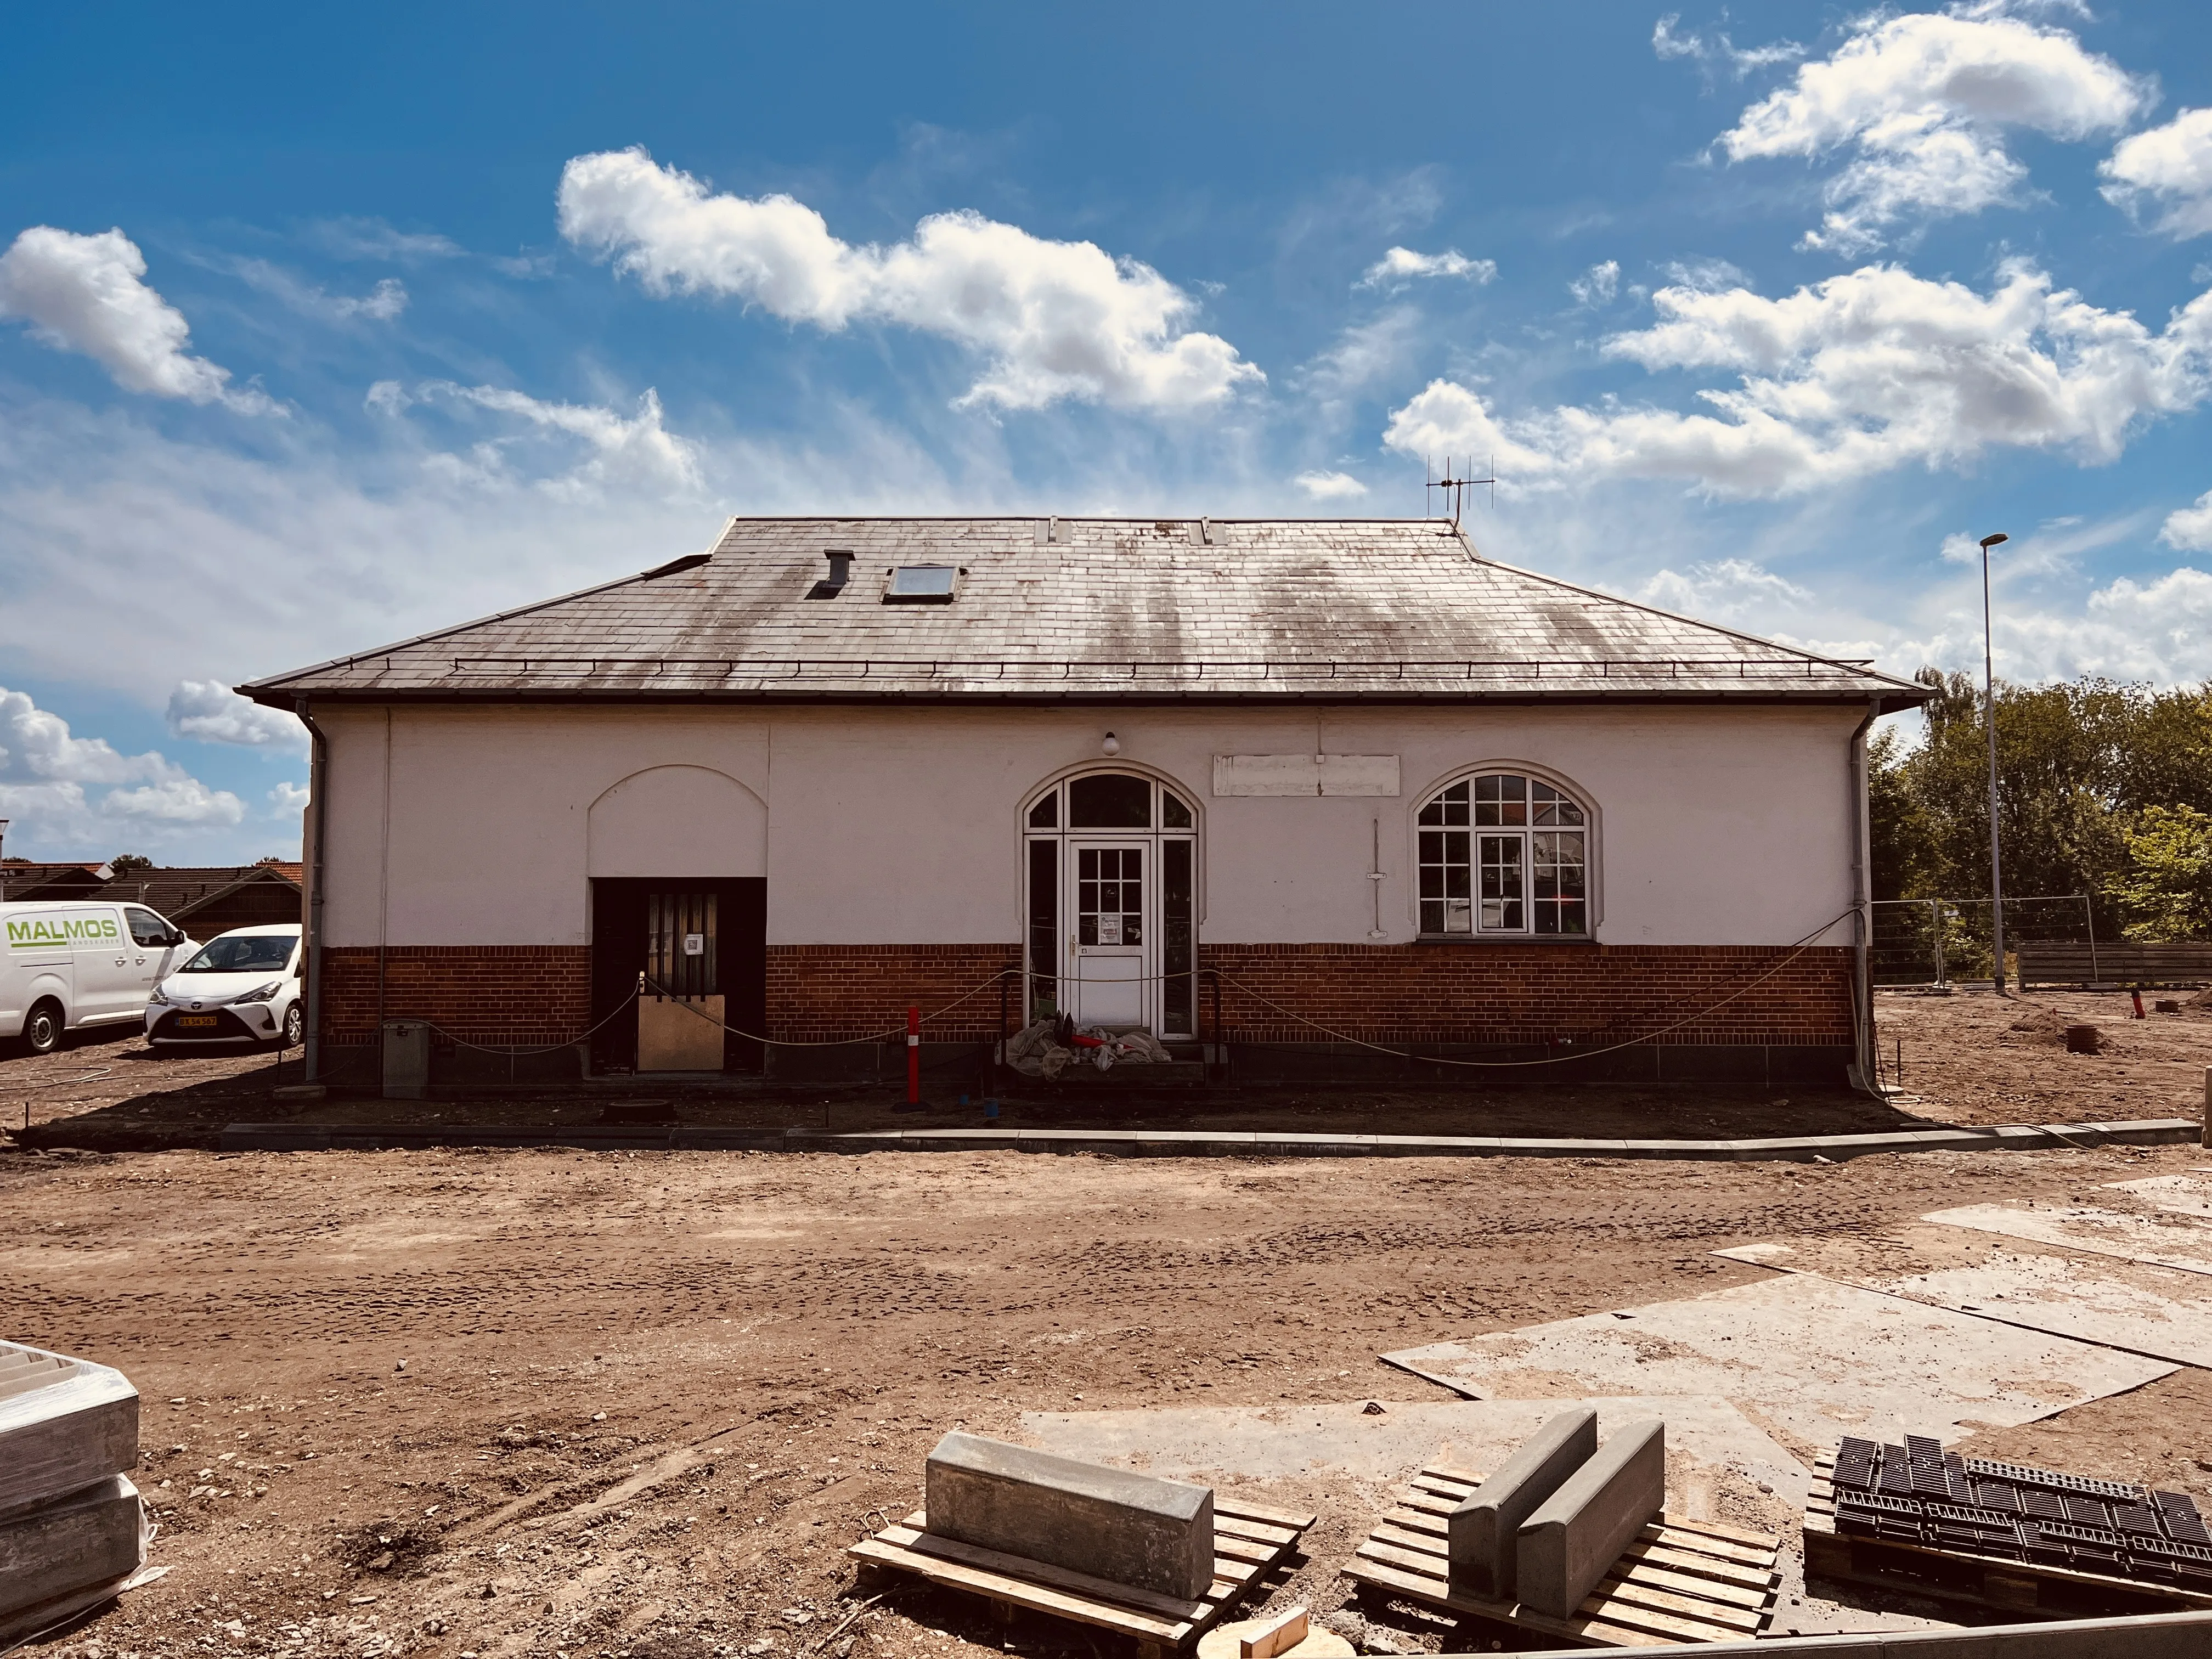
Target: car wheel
42,1029
294,1025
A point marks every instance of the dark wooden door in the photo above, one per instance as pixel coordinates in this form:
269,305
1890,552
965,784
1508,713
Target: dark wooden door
622,940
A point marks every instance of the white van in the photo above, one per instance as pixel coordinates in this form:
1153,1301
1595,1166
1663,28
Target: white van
79,964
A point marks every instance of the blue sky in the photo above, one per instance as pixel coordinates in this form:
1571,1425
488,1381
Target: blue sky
314,335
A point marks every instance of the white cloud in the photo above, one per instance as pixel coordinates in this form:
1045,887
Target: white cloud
1401,265
288,801
2189,528
1922,100
2169,168
1849,377
1598,286
1053,319
620,450
211,712
375,240
1719,49
383,302
1723,590
84,294
1329,486
174,801
44,773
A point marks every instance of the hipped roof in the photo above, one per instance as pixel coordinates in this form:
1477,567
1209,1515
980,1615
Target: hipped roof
1091,610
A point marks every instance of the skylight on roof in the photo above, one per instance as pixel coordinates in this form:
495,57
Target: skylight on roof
920,584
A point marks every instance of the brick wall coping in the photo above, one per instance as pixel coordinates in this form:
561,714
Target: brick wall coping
1212,1143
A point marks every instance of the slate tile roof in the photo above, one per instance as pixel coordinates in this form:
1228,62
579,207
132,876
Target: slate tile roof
1091,610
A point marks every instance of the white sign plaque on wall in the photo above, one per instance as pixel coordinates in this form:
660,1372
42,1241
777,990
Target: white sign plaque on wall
1305,775
695,945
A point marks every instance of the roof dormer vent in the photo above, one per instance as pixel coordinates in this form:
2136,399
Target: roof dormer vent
841,572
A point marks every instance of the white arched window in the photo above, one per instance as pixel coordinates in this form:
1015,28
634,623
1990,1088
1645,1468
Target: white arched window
1504,854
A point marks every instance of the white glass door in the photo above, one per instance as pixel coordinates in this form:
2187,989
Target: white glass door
1112,949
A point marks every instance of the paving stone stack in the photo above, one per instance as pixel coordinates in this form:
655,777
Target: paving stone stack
71,1524
1918,1493
1549,1525
1133,1529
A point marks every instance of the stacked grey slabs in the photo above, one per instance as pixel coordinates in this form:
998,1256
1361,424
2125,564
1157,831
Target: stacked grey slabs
1134,1529
71,1525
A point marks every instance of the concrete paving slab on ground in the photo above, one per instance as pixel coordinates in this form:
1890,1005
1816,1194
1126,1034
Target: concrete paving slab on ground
1345,1462
1807,1358
2182,1194
1719,1457
2158,1311
2161,1238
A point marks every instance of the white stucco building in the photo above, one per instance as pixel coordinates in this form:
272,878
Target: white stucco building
1271,785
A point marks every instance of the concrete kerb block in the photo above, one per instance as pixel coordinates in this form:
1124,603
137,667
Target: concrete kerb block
1134,1529
64,1424
1482,1531
1568,1544
87,1538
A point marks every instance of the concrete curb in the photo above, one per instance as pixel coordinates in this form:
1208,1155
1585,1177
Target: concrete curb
1202,1143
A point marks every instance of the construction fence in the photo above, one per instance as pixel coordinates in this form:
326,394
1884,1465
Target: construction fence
1936,941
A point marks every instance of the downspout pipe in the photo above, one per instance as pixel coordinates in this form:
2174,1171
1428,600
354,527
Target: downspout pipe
1862,903
319,800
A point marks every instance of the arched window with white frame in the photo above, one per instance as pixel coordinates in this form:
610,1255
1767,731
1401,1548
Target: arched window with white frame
1504,854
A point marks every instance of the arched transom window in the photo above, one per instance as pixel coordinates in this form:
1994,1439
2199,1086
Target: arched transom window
1504,854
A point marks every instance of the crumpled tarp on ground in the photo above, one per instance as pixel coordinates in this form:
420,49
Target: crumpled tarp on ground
1038,1051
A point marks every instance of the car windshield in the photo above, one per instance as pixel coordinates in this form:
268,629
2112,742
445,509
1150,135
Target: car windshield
248,955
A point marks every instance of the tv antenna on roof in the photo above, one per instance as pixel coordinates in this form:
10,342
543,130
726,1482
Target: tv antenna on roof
1455,489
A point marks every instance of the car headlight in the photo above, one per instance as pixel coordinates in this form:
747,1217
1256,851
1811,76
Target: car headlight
155,996
264,993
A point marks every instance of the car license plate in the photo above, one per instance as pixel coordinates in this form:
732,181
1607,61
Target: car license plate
204,1022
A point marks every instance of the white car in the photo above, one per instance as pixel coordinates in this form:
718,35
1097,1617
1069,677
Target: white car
243,986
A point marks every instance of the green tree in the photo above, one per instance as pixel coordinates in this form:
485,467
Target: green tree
125,864
2077,765
2166,890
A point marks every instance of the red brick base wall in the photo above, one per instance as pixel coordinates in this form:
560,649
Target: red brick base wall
1509,993
491,993
1500,994
820,992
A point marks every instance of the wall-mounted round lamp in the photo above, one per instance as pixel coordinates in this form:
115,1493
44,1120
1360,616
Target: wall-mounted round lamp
1111,746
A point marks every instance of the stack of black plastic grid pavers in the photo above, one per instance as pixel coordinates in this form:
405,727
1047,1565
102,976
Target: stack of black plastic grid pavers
1918,1493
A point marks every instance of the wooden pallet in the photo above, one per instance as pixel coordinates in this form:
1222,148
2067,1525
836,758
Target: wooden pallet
1982,1581
1249,1540
1680,1581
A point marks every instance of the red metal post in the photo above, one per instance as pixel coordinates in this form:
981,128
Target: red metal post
914,1056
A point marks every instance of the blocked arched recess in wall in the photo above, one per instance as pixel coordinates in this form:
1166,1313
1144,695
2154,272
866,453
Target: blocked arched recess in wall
678,821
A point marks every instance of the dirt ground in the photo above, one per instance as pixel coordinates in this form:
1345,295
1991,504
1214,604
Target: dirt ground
636,1404
1965,1059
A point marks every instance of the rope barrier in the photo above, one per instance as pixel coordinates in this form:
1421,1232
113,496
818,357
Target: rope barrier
700,1014
1795,950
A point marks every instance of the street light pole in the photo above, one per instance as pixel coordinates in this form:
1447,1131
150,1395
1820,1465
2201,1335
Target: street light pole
1990,721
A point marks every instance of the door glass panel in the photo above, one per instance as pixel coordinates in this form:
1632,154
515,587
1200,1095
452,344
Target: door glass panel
679,944
1044,929
1173,814
1179,944
1110,800
1045,815
146,928
1109,896
1503,900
